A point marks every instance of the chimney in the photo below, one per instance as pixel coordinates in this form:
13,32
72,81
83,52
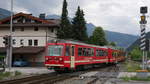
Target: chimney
30,14
42,16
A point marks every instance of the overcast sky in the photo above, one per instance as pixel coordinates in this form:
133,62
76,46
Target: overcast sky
113,15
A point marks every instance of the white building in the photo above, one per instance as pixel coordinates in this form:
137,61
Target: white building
30,35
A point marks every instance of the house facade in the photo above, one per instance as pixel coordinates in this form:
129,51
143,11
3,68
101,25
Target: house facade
30,35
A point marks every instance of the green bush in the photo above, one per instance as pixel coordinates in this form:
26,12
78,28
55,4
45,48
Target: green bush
132,66
136,54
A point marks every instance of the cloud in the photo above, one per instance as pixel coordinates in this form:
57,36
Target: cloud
114,15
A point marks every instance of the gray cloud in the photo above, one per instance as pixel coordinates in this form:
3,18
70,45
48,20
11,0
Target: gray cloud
114,15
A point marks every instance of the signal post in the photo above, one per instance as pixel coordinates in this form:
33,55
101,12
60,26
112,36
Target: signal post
6,41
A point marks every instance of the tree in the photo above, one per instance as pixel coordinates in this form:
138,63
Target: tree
64,32
136,53
112,43
98,37
79,26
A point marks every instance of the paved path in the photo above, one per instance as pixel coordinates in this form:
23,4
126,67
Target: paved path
30,70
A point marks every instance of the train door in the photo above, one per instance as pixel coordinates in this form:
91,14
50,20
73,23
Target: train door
72,58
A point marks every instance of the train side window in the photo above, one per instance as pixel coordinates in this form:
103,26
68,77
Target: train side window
67,51
79,51
113,54
72,51
106,53
84,51
92,51
97,52
89,52
100,53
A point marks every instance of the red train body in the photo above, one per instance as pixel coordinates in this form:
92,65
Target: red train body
72,55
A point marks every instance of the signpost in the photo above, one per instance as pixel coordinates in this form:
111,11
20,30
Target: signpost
143,22
143,73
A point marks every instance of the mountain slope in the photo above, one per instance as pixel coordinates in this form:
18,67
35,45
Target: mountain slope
137,42
4,13
122,40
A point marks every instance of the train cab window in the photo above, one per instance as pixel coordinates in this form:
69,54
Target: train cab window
67,51
55,50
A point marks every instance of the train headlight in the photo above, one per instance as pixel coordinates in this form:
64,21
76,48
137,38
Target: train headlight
46,59
60,59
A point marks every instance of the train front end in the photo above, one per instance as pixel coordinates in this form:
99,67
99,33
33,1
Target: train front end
54,58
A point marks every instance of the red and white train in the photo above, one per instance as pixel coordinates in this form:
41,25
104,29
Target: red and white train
70,55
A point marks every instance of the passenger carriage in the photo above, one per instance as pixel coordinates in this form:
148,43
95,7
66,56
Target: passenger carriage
70,55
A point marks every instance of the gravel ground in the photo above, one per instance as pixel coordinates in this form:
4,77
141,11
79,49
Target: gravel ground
76,80
104,76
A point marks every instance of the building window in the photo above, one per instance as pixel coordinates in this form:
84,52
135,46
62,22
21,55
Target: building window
36,28
22,29
28,20
35,42
30,42
14,21
13,29
52,30
21,42
32,21
14,41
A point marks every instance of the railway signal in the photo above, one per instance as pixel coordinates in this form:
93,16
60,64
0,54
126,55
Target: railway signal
143,22
6,40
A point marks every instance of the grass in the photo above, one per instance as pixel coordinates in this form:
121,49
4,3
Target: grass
9,74
17,73
132,66
135,78
4,74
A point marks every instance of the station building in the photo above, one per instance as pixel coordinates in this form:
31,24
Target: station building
30,35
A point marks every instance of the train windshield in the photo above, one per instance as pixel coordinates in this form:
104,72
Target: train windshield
55,50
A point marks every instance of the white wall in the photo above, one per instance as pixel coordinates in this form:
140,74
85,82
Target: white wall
27,34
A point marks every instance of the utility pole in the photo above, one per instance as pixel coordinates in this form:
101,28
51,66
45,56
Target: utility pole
10,45
143,22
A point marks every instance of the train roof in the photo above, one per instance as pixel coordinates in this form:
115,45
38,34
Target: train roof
74,42
81,43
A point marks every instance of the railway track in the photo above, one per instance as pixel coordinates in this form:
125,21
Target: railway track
52,78
40,79
105,74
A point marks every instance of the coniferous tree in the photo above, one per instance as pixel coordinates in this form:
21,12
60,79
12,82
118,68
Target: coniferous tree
112,44
98,37
79,26
64,32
